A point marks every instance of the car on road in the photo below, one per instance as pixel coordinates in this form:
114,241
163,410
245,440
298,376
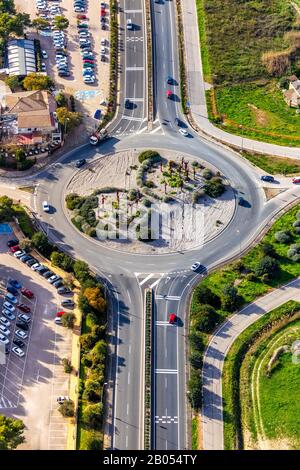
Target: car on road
241,201
27,293
172,318
169,94
183,132
296,180
21,334
5,322
11,298
129,24
12,290
80,162
19,253
196,266
8,314
169,80
24,308
4,330
9,306
3,339
127,104
18,351
267,178
19,342
68,303
24,318
46,207
12,242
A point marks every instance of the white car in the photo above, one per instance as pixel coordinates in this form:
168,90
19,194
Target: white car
19,253
103,42
25,318
183,132
44,68
35,266
46,207
129,24
60,400
9,306
84,34
103,50
8,314
4,330
4,321
3,339
195,266
18,351
57,320
11,298
21,334
44,54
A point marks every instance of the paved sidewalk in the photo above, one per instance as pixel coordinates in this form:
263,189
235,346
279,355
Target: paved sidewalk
196,91
221,341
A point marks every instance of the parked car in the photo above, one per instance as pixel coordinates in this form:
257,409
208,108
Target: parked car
61,400
21,334
14,283
4,330
22,325
48,274
24,308
9,306
8,314
3,339
12,290
31,261
53,278
67,303
25,258
12,242
42,269
296,180
19,342
14,248
5,322
267,178
58,283
24,318
19,253
64,290
27,293
18,351
11,298
35,266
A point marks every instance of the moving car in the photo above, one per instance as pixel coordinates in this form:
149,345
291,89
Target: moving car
169,80
169,94
172,318
44,54
195,266
18,351
296,180
267,178
183,132
129,24
80,162
44,68
46,207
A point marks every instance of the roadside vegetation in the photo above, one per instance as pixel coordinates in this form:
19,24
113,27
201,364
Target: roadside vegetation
272,164
273,262
11,433
278,387
248,51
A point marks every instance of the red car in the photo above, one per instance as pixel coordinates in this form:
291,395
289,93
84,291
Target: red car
88,61
296,180
15,248
27,293
82,17
103,12
169,93
24,308
60,314
172,318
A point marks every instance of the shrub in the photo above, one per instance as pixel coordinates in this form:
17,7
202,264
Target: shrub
204,295
283,236
195,389
298,215
73,201
196,340
67,365
148,154
92,415
197,195
146,202
205,318
68,320
67,408
296,223
268,250
196,359
267,265
250,277
62,260
91,443
214,188
92,391
230,298
132,194
296,258
91,232
207,174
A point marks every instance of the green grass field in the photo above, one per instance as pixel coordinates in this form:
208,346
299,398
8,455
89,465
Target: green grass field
274,165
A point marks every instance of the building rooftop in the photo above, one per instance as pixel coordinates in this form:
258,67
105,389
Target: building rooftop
21,57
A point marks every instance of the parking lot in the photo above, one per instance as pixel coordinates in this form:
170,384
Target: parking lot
29,385
88,95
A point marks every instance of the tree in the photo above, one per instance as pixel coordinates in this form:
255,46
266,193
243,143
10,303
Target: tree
20,155
230,298
98,353
39,23
95,299
41,243
61,99
67,365
92,391
92,415
81,271
214,188
196,340
60,22
68,320
13,24
204,295
67,118
67,408
13,82
205,318
25,244
91,443
195,389
11,433
268,250
36,81
196,359
267,265
6,210
62,260
283,236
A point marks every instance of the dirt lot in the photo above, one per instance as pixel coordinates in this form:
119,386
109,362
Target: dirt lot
30,385
88,97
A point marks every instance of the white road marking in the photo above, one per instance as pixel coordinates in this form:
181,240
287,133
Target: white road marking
134,68
155,130
166,371
146,279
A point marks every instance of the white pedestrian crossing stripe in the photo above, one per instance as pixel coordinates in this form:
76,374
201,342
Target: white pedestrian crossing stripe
149,279
166,420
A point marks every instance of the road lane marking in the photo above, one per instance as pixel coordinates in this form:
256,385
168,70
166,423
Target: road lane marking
129,69
168,297
154,283
166,371
146,279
